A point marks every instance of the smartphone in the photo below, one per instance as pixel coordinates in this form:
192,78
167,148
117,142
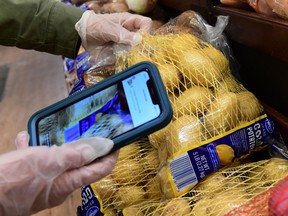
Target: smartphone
124,107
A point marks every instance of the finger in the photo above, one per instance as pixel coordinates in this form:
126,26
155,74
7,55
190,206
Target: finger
127,37
22,140
138,23
59,159
134,22
76,178
94,171
97,147
81,152
115,33
123,27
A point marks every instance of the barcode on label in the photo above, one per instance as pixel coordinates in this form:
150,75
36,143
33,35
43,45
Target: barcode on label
183,172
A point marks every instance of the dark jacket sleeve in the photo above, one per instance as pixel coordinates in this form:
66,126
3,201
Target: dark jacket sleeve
42,25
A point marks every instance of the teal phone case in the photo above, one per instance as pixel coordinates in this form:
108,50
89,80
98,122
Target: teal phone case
130,136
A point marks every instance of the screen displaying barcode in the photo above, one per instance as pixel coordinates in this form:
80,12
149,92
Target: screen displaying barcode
183,172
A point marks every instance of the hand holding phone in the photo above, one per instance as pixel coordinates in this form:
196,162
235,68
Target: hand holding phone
124,107
49,175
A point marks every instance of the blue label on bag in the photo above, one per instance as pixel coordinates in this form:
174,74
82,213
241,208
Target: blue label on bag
90,203
79,5
188,168
78,86
82,63
69,64
84,6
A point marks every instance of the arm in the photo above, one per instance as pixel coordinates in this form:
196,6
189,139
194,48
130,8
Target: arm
42,25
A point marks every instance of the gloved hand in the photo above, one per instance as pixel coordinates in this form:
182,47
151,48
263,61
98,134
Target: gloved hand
98,29
100,32
35,178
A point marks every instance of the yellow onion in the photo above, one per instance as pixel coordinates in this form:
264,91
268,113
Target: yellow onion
141,6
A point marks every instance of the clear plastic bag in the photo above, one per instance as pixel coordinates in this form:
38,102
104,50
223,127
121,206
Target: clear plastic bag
217,123
216,119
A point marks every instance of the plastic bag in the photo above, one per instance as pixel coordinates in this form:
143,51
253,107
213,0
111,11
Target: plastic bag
237,190
270,8
97,65
191,22
262,7
243,189
89,68
217,123
216,120
280,7
132,181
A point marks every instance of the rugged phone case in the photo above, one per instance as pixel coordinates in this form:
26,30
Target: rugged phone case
130,136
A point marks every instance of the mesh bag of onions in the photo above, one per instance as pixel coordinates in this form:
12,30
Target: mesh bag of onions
193,166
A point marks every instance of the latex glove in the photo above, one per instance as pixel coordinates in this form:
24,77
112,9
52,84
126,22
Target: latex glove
101,32
99,29
36,178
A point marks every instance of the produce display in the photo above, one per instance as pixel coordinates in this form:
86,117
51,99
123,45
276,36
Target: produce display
198,164
212,110
271,8
141,6
113,6
232,190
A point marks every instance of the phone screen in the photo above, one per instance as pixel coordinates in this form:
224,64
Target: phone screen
108,113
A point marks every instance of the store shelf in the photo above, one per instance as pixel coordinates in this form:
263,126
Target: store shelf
260,44
203,7
257,31
183,5
280,120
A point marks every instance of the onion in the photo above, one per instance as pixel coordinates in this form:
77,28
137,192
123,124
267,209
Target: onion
141,6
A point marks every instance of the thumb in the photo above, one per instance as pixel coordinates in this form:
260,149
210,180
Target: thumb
74,155
22,140
128,37
93,148
77,173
